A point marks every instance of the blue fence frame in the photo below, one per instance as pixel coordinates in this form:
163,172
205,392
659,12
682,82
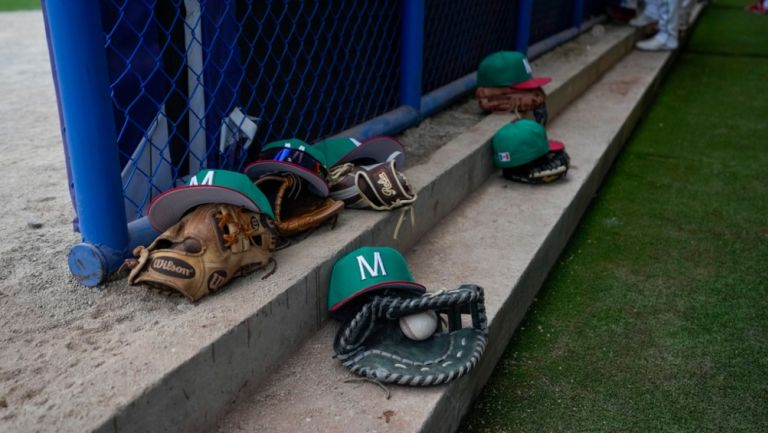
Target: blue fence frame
87,110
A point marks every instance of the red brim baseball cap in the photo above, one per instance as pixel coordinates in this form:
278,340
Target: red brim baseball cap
533,83
556,146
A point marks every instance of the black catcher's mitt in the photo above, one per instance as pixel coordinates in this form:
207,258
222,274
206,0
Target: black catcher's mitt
545,169
372,344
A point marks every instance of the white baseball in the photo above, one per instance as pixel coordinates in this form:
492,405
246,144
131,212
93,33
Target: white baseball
419,326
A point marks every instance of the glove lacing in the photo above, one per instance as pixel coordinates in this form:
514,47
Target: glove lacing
243,226
405,210
240,224
338,173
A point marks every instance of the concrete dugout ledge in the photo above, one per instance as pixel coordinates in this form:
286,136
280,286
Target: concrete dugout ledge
183,371
505,237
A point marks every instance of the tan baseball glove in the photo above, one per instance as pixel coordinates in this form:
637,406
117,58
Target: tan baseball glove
208,247
507,99
296,209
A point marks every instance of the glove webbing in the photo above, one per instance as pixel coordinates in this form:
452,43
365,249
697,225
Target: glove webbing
542,170
338,172
556,164
286,181
241,225
393,308
453,303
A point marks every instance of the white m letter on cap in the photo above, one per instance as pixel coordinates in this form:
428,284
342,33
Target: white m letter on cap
207,180
377,264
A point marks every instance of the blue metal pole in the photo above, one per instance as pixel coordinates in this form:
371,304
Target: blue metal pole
524,13
557,39
75,221
544,45
578,13
412,52
388,123
77,43
441,97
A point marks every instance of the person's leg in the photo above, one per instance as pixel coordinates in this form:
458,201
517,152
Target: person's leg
631,4
669,21
649,15
686,6
652,9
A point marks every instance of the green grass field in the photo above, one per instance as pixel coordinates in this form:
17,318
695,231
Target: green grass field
18,5
656,317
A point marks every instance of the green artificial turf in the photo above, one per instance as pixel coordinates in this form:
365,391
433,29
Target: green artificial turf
16,5
737,4
731,31
656,317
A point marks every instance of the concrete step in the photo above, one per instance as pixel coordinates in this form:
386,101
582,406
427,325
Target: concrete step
504,237
257,324
139,362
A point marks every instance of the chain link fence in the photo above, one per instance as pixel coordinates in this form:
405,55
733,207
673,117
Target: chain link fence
179,69
593,8
550,17
204,83
459,33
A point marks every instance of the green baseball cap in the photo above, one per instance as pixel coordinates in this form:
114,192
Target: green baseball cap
340,150
521,142
293,156
207,186
367,270
508,69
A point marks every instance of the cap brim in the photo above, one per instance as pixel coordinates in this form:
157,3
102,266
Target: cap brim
406,286
380,149
168,208
556,146
316,183
533,83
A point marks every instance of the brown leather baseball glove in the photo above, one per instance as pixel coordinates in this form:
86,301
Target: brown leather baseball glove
507,99
379,186
208,247
296,209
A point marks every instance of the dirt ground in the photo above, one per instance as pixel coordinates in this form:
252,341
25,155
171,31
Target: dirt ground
439,129
54,333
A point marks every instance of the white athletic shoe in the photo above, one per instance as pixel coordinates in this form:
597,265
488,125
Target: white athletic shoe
657,43
641,20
